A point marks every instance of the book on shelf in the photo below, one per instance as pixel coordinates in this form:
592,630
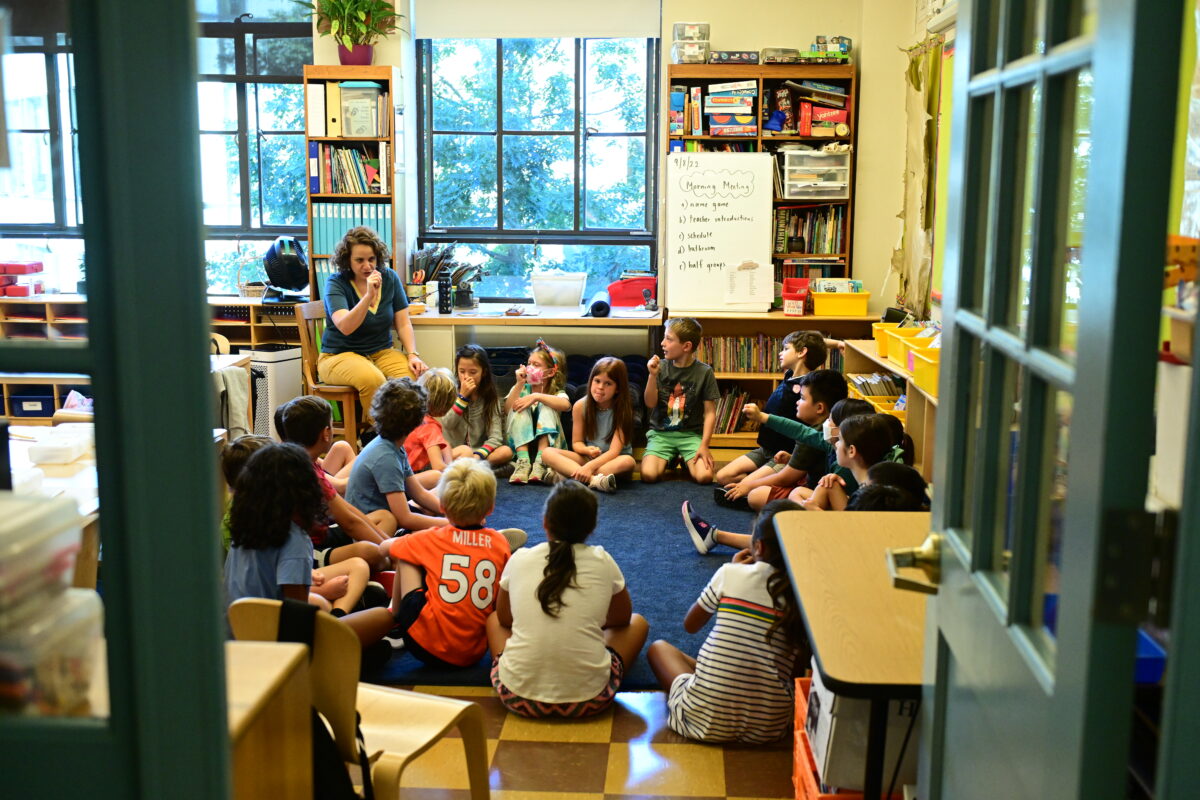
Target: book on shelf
333,108
315,93
331,220
817,229
878,384
815,95
695,121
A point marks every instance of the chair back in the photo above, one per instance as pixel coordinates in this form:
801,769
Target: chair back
333,666
310,318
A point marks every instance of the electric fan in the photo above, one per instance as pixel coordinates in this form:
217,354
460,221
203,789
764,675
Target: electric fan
287,272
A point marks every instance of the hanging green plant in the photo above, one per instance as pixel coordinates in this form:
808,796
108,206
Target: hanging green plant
353,22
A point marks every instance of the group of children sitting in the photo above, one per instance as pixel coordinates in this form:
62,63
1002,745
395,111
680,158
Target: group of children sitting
312,521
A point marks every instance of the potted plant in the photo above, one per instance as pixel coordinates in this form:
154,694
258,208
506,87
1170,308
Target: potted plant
354,24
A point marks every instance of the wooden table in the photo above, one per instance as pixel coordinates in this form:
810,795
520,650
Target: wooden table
268,701
868,638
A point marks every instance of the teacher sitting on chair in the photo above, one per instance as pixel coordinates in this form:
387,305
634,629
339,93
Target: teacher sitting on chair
363,302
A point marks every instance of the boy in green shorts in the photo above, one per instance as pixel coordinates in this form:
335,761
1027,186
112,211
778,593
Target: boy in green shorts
682,395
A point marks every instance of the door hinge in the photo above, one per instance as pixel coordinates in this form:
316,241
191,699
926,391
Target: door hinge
1137,558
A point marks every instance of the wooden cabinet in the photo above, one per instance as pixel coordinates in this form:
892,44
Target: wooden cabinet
31,399
921,417
814,197
352,173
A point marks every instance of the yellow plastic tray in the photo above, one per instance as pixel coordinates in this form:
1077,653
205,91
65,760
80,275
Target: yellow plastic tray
926,363
840,304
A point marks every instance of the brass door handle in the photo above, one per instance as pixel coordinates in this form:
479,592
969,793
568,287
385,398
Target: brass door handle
927,558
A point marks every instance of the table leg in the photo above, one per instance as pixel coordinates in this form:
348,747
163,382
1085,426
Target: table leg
876,742
88,558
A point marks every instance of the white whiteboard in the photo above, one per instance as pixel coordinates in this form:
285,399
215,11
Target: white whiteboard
718,247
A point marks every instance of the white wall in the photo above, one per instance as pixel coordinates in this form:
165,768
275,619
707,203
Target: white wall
879,28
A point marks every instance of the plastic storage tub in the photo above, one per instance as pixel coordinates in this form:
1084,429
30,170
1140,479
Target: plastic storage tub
840,304
360,108
879,331
39,537
897,348
690,31
33,402
47,661
689,52
815,174
563,289
925,365
795,296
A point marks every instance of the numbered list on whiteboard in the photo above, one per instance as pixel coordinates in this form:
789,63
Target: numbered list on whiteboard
719,213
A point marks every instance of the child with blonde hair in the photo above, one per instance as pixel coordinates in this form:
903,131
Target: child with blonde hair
446,577
427,449
601,431
533,406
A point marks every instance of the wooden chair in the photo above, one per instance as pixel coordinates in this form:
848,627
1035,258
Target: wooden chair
397,725
310,317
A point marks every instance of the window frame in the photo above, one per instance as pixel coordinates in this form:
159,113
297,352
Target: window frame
580,234
244,82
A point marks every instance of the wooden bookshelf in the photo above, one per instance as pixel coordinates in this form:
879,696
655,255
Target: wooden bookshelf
768,78
331,213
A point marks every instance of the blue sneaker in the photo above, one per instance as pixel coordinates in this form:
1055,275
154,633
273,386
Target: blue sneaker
703,533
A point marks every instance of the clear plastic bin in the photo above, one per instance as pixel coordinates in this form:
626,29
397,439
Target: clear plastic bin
690,31
39,538
695,52
360,108
47,661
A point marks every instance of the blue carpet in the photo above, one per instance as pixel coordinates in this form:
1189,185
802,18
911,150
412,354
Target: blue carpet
641,526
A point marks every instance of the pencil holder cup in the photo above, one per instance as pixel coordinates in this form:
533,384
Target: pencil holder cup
416,292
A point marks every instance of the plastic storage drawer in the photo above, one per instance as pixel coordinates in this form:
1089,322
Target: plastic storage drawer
816,175
46,662
39,537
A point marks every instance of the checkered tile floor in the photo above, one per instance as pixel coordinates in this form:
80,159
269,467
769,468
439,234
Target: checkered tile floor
627,752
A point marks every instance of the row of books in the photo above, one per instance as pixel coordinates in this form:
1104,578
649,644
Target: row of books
809,267
729,412
330,221
347,169
693,146
810,229
348,108
758,353
879,384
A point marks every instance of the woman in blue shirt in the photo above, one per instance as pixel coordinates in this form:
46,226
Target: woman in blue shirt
364,302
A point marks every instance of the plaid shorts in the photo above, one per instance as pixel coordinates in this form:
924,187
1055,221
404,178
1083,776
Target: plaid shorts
571,710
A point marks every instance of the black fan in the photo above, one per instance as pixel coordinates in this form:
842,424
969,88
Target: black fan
287,272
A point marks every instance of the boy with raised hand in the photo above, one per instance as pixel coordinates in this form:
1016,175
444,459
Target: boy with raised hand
801,353
308,422
382,481
819,391
682,395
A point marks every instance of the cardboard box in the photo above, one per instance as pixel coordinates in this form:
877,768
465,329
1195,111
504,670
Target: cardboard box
837,729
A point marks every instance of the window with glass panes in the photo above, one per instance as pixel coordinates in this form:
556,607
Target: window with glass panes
253,166
537,155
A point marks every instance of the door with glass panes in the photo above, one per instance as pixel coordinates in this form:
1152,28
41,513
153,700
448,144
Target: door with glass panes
1055,246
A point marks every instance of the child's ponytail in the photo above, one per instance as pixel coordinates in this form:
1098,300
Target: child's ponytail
903,450
569,516
779,585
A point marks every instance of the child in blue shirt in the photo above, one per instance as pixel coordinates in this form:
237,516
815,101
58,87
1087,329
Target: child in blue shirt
381,481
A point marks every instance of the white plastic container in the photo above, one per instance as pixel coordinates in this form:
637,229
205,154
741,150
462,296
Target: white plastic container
690,31
39,538
48,660
689,52
558,289
815,175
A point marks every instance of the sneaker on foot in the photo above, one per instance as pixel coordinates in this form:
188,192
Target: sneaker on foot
374,596
515,536
599,483
503,471
551,477
395,637
741,504
537,473
703,533
520,475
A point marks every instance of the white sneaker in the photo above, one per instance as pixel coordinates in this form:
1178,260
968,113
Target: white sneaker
603,483
520,474
515,536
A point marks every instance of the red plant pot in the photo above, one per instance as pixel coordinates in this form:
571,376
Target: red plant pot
360,55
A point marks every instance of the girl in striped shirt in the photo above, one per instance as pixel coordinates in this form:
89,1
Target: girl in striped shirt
739,688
